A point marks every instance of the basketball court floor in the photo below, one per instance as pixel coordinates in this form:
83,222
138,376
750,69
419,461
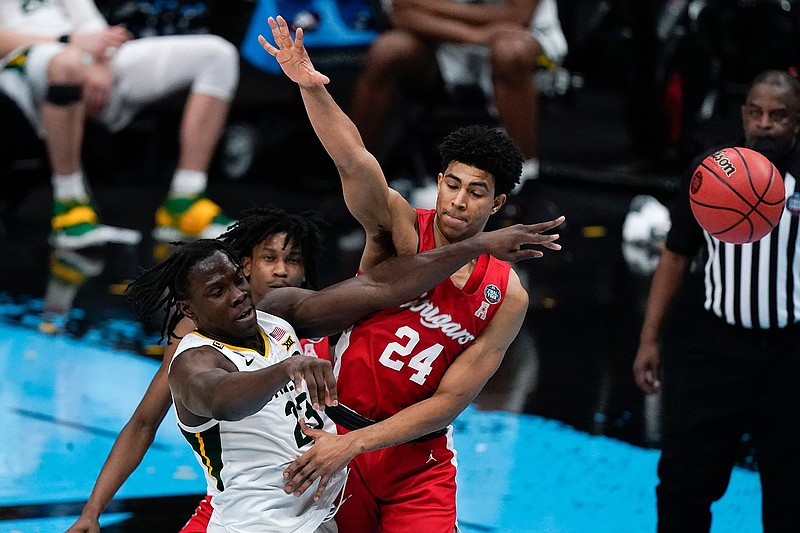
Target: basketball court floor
559,441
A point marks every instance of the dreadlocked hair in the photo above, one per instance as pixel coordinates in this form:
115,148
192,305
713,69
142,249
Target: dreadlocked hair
163,285
488,149
303,230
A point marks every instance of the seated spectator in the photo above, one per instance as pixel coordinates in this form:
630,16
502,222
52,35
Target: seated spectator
62,64
496,45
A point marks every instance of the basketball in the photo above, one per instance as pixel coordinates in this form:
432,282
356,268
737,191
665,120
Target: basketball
737,195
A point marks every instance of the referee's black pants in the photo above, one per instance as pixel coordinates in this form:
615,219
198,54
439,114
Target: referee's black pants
721,382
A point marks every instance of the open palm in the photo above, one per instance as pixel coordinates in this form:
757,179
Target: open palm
291,54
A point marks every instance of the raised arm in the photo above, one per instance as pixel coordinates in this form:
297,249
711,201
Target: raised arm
400,279
132,442
460,384
369,198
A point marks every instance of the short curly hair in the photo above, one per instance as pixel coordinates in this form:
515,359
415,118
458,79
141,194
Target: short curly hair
488,149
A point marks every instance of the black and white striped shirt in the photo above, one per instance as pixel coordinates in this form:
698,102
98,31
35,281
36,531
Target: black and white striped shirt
755,285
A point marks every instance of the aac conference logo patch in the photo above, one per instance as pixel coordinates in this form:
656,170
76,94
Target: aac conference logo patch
492,293
793,204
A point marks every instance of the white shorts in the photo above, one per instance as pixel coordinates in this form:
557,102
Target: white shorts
145,70
469,64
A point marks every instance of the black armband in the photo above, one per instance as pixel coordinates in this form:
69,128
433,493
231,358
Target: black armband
63,95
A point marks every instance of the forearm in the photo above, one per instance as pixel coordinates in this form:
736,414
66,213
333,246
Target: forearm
411,423
125,456
667,281
234,395
11,40
388,284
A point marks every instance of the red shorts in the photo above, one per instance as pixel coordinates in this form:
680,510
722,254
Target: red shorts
409,487
198,523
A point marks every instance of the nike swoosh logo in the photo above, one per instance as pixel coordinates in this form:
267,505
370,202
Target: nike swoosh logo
248,363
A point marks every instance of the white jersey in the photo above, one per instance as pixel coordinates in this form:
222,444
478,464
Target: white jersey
244,460
50,17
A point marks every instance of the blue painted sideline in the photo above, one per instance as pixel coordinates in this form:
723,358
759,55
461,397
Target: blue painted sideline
63,400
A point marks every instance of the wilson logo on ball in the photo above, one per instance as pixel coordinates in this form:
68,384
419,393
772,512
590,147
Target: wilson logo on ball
723,162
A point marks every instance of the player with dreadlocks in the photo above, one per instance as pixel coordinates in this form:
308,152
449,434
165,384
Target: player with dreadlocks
195,283
276,249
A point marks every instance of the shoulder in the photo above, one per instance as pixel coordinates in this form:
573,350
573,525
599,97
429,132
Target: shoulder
278,329
271,323
516,295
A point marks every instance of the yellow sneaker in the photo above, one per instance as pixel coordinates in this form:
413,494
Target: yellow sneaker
188,219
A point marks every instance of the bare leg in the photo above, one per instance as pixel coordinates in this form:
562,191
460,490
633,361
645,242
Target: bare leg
64,124
203,120
389,59
516,96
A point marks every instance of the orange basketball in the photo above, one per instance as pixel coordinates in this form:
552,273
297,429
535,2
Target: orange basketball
737,195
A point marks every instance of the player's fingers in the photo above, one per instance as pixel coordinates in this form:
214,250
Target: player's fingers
313,388
521,255
292,470
551,245
306,483
266,46
323,483
301,480
550,224
298,37
298,382
541,238
321,384
283,32
332,397
276,31
314,433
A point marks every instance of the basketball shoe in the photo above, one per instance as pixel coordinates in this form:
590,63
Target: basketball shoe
188,219
75,226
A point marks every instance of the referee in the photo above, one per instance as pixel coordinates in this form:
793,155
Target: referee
736,362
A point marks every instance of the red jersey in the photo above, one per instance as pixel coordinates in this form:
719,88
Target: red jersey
318,347
397,357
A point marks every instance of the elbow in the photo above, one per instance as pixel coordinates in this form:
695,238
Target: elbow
228,413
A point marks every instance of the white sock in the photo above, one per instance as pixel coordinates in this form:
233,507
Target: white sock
188,183
69,186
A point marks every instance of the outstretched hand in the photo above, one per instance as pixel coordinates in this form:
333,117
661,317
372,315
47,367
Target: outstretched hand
329,454
291,54
507,243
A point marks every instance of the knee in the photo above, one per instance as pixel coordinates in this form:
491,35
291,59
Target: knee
392,50
221,65
224,51
514,59
67,67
